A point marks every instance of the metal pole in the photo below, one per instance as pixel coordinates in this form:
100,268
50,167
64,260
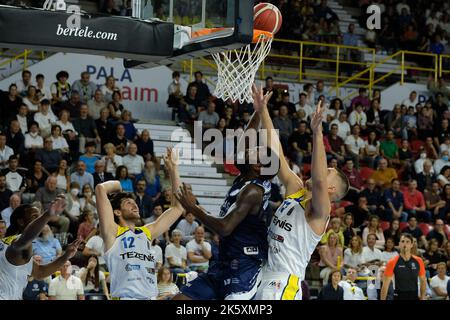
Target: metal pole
136,8
170,11
440,66
204,14
435,68
301,62
338,53
403,68
25,56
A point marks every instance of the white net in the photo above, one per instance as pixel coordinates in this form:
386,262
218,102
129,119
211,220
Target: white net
236,70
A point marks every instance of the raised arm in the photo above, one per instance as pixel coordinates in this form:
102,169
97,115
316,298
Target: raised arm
171,215
289,179
108,228
15,252
248,202
320,200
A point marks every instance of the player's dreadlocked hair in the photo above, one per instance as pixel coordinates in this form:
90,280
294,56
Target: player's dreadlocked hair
18,213
116,200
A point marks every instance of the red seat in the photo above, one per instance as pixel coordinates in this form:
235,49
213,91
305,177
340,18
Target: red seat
345,204
306,168
403,225
231,169
365,173
385,225
415,145
425,227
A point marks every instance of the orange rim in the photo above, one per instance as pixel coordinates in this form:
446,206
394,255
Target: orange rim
256,33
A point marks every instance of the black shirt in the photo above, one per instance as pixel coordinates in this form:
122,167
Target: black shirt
9,108
104,129
404,154
302,140
4,198
406,273
328,293
145,148
416,233
373,197
433,234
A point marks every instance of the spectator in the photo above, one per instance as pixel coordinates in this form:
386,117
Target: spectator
438,233
14,202
394,200
384,176
371,254
203,93
90,158
284,124
418,164
10,103
412,100
81,176
36,289
389,148
355,145
329,257
59,142
93,279
209,117
332,291
394,231
145,145
24,84
134,161
31,99
5,193
198,252
119,140
432,257
394,121
415,202
49,157
430,149
143,200
188,107
336,143
351,290
72,106
413,230
348,230
85,87
66,286
60,89
166,288
5,151
442,161
176,254
389,250
409,125
362,97
44,91
405,157
15,178
374,228
439,283
444,176
95,247
300,144
358,117
426,178
152,179
304,105
175,94
124,178
104,126
187,227
96,104
343,126
24,118
86,128
372,150
62,176
131,132
360,211
86,228
285,100
442,131
46,246
109,88
100,175
374,197
111,159
353,254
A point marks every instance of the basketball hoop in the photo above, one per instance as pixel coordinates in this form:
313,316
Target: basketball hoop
236,69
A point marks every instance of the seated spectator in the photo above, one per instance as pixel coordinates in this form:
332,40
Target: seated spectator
95,247
439,283
134,162
176,254
384,176
284,124
60,89
73,208
433,200
343,126
14,202
374,197
416,232
49,157
5,151
445,146
67,127
353,254
5,193
111,159
409,125
329,256
442,161
166,288
187,227
209,117
370,254
426,178
285,100
85,87
10,102
131,132
412,100
124,178
360,212
432,257
358,117
46,246
59,142
300,144
152,179
105,128
35,289
66,286
430,149
332,291
119,140
405,157
335,225
348,230
36,177
88,201
86,228
94,280
361,98
418,164
372,150
143,200
96,104
415,202
389,250
188,106
15,138
15,178
45,195
425,122
24,118
355,145
72,105
33,139
81,176
100,175
336,143
86,128
145,146
394,203
351,290
444,176
109,88
62,176
24,84
115,106
45,118
90,158
438,233
198,252
389,149
166,200
374,228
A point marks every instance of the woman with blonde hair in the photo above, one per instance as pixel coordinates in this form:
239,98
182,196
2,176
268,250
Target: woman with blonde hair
330,257
375,228
353,254
166,288
112,160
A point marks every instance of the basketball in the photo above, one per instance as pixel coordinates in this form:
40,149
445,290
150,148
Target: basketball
267,17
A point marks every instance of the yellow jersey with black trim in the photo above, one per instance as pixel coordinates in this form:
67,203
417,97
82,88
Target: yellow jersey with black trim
131,262
291,239
13,279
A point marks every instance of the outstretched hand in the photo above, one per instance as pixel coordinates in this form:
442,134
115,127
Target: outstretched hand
260,100
171,159
186,198
317,118
57,206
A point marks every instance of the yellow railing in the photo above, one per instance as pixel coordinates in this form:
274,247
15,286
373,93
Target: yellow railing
22,56
442,59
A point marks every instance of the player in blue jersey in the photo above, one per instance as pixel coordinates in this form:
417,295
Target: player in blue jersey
243,231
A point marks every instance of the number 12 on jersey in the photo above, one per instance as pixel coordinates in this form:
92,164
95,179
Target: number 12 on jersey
128,242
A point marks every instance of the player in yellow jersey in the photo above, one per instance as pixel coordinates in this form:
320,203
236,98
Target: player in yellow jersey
129,254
